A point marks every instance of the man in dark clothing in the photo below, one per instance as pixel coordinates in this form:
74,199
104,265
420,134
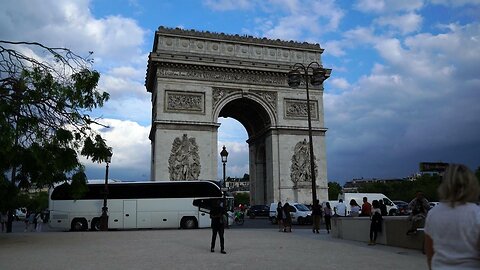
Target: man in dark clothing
217,214
317,216
383,208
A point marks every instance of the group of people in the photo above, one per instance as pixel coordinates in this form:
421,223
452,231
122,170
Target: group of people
452,228
34,222
284,217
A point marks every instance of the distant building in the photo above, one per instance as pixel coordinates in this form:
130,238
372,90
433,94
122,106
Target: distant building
237,184
352,186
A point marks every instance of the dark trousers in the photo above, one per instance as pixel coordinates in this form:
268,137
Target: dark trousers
219,230
328,224
373,232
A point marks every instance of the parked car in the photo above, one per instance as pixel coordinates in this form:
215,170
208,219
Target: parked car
300,213
432,204
258,210
403,209
20,213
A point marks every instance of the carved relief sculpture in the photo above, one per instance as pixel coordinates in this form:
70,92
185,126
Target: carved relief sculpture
269,97
184,102
219,93
297,109
184,161
300,170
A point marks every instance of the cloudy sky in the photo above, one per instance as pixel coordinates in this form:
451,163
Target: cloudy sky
405,86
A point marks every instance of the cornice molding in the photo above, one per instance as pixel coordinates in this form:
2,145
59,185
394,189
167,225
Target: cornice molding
239,38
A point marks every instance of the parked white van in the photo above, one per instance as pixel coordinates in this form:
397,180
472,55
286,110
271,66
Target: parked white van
358,197
299,212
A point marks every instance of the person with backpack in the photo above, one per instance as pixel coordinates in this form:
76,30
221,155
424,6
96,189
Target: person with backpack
419,206
280,216
376,222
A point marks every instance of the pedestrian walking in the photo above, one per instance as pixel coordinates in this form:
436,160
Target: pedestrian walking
218,226
3,220
327,211
280,215
31,222
376,222
317,216
287,219
39,219
452,228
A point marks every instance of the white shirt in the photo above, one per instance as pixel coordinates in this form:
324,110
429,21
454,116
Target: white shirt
341,209
456,236
354,211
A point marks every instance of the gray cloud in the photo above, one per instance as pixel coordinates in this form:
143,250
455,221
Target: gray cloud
421,105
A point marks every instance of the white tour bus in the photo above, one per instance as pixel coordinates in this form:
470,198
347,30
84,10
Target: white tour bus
132,205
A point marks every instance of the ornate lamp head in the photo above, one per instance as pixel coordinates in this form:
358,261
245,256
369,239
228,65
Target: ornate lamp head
294,78
224,154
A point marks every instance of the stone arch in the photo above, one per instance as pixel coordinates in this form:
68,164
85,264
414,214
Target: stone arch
196,77
257,118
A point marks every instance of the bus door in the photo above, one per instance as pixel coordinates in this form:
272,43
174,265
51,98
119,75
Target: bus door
129,214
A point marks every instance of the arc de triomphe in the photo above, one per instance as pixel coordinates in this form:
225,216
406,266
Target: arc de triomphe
196,77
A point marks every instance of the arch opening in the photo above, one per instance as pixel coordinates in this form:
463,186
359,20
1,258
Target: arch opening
256,121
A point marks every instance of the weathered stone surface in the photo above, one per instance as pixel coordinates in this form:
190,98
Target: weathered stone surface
197,77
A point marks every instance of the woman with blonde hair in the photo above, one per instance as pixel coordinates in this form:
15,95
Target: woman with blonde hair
452,228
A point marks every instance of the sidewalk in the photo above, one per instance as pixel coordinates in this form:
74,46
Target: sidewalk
189,249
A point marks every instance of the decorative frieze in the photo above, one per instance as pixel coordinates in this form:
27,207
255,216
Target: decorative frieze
297,109
184,161
225,75
186,102
300,171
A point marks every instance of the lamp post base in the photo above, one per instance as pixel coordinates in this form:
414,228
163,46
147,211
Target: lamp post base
104,219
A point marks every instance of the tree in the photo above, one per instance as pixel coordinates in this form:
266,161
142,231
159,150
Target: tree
241,198
46,94
334,189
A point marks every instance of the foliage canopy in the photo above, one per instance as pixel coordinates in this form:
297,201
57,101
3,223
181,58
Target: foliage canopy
46,95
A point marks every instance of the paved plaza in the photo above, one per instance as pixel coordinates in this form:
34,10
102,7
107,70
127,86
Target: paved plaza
247,248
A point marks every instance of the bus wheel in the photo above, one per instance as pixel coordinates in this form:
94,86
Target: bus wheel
96,224
79,224
189,223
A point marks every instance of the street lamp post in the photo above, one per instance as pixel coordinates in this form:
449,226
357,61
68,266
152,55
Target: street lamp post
104,217
319,75
224,155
